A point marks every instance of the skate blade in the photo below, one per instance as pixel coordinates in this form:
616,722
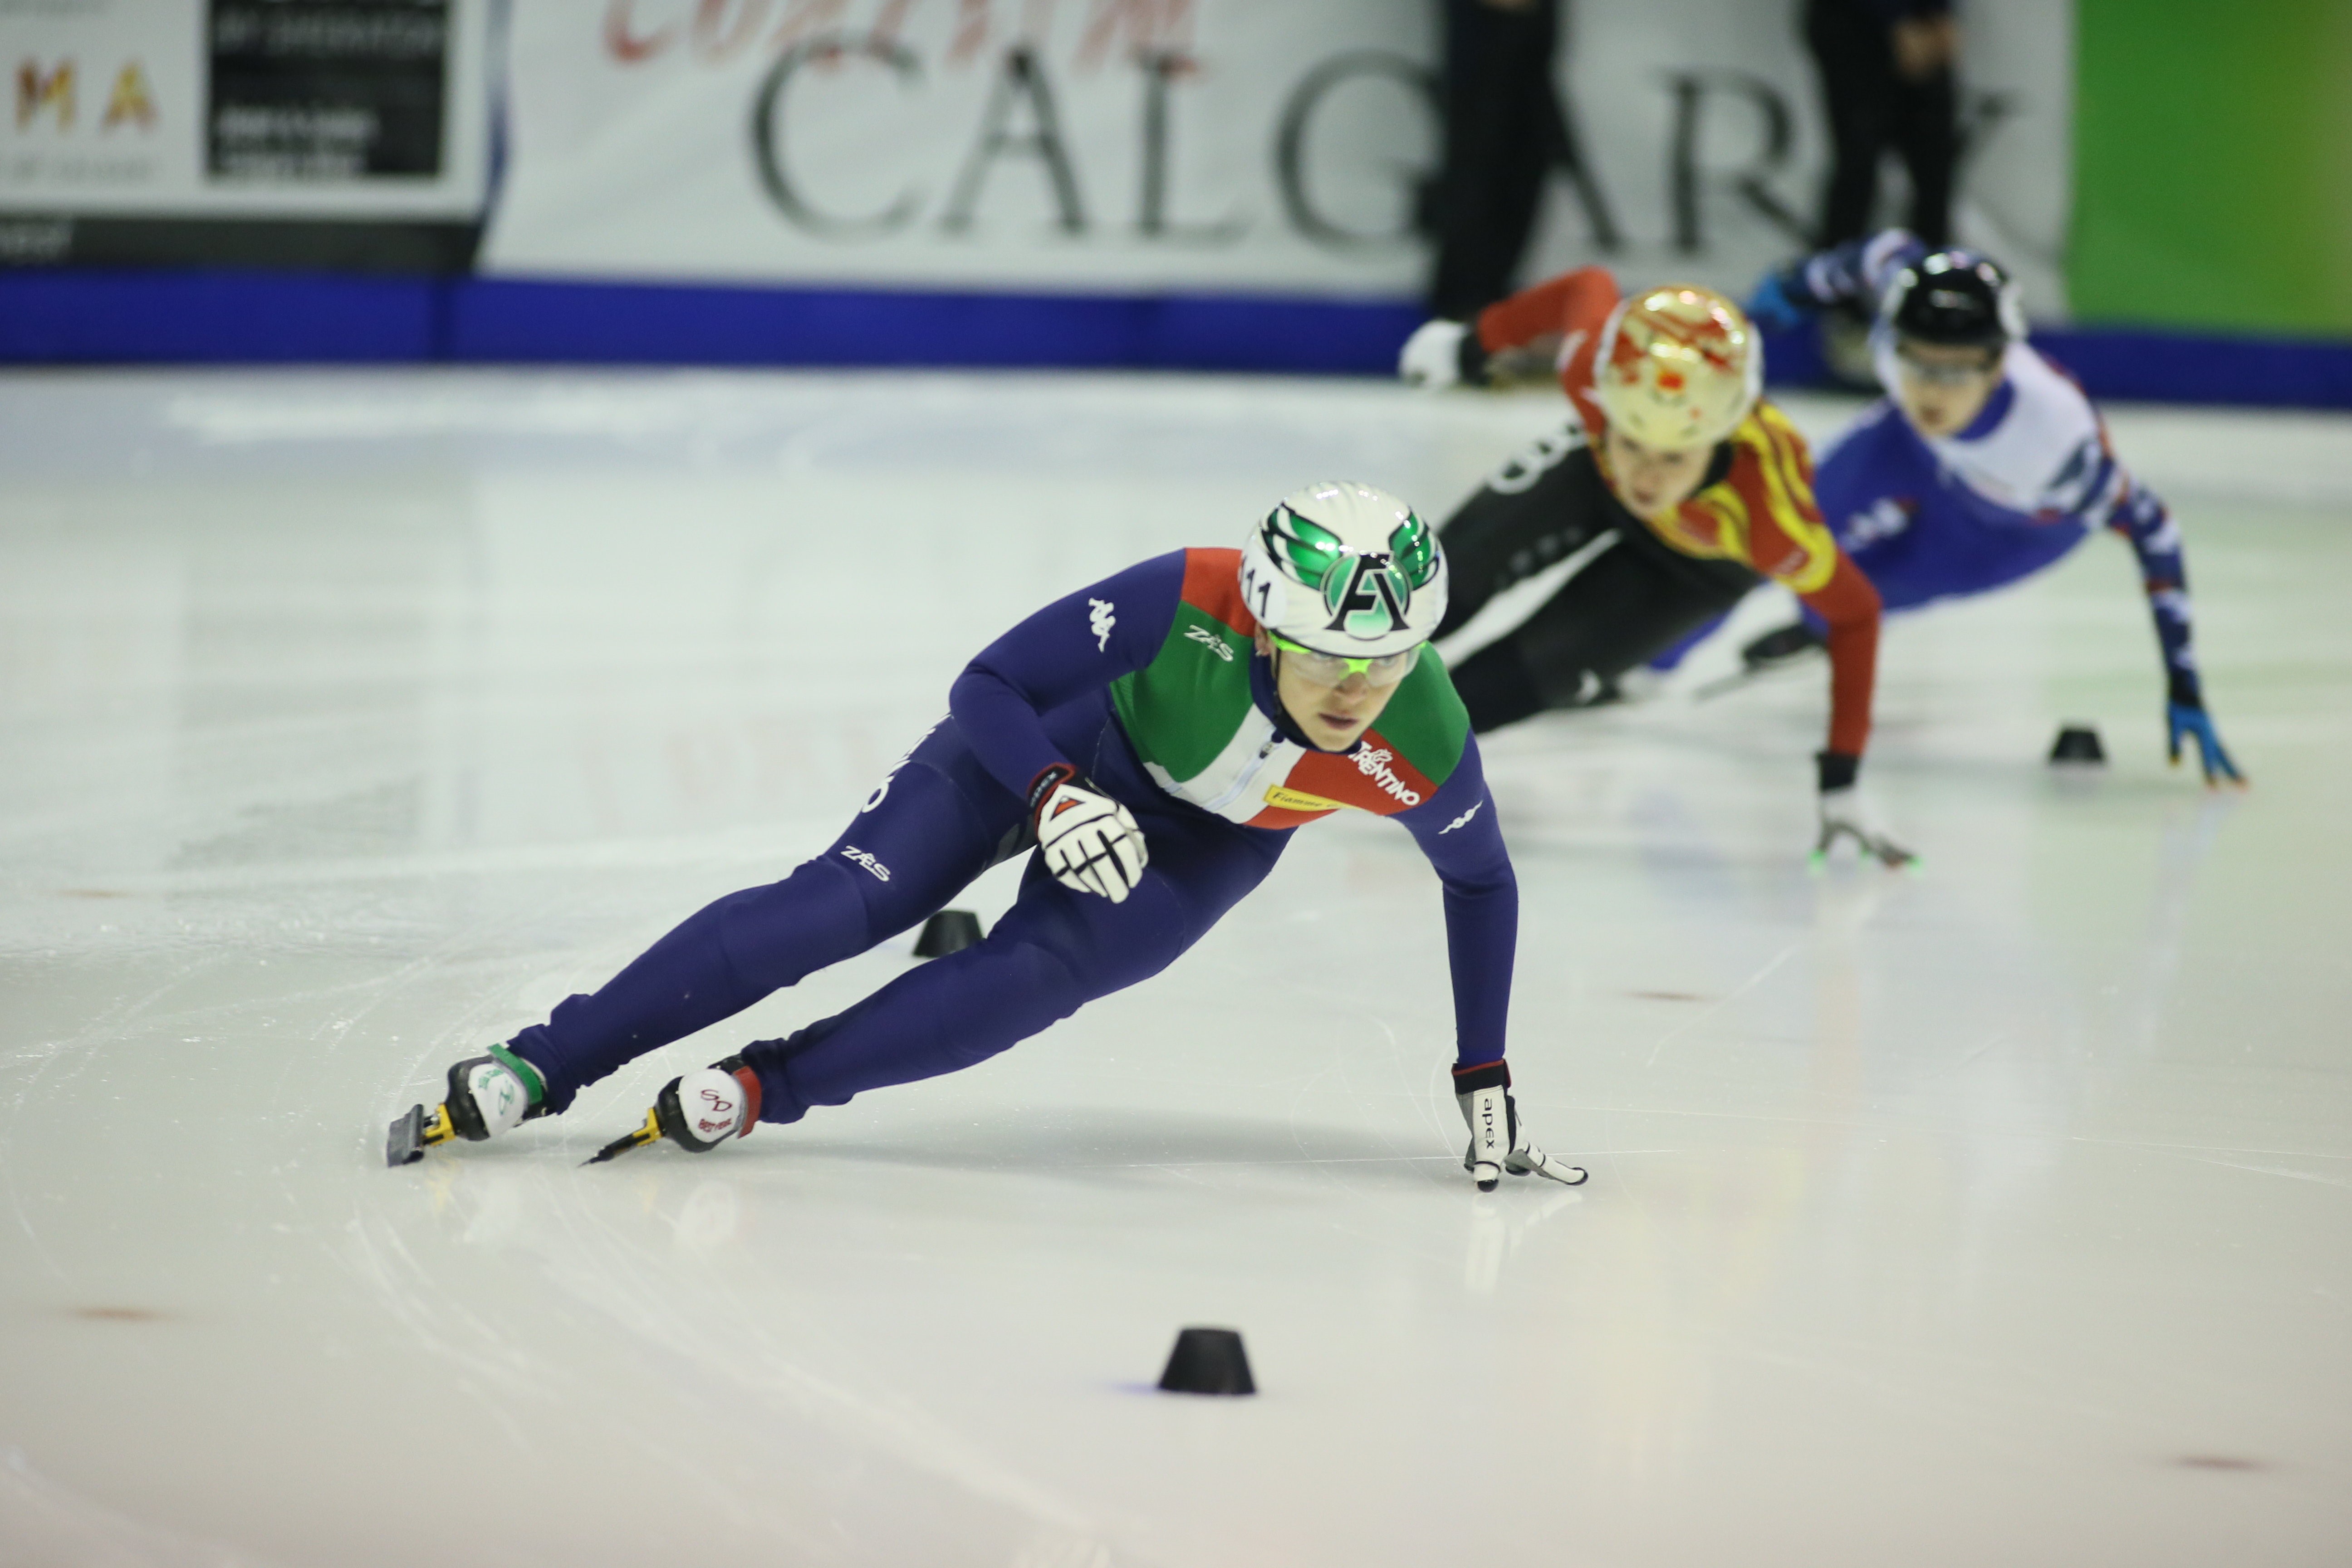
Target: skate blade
643,1135
1542,1164
411,1134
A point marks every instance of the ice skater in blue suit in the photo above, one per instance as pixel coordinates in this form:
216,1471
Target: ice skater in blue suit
1150,742
1983,464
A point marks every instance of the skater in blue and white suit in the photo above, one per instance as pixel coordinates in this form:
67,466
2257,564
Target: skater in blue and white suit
1983,464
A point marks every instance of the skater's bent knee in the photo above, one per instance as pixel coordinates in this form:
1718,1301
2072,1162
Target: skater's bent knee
1037,989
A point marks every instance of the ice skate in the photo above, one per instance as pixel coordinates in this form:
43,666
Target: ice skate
1796,640
488,1095
1499,1138
698,1112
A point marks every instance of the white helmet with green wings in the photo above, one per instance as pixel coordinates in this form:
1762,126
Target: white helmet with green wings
1346,570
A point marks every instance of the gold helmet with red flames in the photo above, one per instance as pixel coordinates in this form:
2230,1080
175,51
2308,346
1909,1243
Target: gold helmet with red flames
1677,365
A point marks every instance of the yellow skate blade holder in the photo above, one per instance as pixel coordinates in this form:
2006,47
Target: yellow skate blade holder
416,1132
650,1132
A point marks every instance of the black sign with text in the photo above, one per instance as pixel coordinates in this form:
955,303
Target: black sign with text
310,90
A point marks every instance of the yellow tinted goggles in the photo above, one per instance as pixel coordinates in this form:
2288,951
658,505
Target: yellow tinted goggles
1332,669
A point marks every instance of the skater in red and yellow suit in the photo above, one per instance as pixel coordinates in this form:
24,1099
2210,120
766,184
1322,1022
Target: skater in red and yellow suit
1677,485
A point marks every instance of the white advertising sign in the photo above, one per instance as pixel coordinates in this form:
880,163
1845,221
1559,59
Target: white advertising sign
224,109
1126,145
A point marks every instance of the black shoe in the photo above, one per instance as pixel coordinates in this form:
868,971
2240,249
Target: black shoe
1794,640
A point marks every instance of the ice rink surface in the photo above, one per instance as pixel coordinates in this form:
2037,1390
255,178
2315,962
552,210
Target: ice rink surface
1997,1214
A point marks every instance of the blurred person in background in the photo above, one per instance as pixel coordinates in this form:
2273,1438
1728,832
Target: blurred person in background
1503,130
1887,84
1674,491
1983,463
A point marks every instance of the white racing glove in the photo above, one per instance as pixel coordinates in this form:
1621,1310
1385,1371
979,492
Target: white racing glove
1090,841
1431,358
1846,813
1497,1141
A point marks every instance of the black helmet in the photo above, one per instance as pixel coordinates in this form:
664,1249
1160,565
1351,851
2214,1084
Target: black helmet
1954,297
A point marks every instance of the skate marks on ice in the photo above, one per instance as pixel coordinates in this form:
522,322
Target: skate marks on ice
1108,1146
2000,1215
44,1522
793,1442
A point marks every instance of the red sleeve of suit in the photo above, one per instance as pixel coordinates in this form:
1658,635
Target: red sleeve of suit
1572,307
1850,605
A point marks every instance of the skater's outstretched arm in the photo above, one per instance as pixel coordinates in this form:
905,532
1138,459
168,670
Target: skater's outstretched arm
2085,485
1771,501
1552,310
1550,321
2155,537
1849,605
1456,830
1455,827
1854,273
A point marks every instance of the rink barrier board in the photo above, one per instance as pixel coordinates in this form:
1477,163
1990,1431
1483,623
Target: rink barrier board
78,316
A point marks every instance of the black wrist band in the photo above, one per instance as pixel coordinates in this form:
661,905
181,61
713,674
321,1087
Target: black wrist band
1044,785
1470,357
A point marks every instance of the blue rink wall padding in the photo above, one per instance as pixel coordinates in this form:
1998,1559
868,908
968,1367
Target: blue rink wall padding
495,318
204,317
90,317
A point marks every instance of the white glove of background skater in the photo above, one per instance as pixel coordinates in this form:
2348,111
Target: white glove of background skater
1498,1141
1090,841
1431,358
1847,814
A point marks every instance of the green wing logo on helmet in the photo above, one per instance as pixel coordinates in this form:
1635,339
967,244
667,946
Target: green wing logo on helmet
1413,547
1307,551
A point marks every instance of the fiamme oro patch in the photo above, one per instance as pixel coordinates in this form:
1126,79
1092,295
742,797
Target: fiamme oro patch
1299,800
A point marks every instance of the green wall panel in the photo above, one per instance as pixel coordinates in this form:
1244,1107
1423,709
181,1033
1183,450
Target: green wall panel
2213,165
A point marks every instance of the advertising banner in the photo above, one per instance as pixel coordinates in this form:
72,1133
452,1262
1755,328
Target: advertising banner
1139,145
216,130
